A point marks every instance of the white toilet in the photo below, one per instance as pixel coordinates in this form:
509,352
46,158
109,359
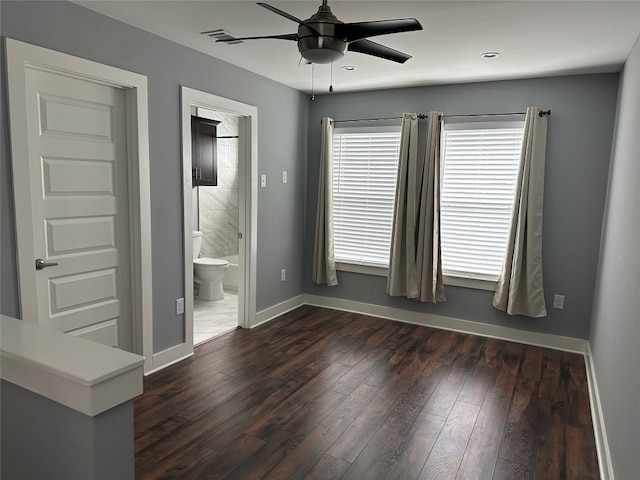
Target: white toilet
208,272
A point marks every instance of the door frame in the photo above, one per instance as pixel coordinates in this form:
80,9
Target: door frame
248,203
19,57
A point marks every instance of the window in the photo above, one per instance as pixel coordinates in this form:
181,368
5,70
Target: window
365,163
480,170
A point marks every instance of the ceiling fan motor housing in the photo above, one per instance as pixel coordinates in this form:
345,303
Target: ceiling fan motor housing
325,47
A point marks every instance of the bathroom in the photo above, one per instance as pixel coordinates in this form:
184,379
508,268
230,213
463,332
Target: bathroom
216,222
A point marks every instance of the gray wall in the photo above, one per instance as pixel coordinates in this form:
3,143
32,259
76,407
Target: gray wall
44,440
615,324
282,127
578,153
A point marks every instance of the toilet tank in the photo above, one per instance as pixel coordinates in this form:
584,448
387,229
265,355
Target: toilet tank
197,243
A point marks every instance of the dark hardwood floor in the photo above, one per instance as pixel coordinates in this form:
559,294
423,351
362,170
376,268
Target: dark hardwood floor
324,394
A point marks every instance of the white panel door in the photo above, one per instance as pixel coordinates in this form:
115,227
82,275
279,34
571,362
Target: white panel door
79,206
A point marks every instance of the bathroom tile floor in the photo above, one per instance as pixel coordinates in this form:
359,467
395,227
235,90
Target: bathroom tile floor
211,319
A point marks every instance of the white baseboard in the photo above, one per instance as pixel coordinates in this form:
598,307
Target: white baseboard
179,352
167,357
556,342
602,445
275,311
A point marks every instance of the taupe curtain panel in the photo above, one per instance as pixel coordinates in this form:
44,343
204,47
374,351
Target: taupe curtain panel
520,290
402,279
415,266
324,263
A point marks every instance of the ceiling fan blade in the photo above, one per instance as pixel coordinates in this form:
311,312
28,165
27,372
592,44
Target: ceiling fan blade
359,30
280,12
287,15
372,48
289,36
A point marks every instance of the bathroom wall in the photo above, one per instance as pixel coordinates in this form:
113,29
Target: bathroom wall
218,206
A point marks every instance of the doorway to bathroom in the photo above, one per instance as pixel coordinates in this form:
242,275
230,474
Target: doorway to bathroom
219,214
216,216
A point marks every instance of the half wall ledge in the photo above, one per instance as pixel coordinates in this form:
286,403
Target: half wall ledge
85,376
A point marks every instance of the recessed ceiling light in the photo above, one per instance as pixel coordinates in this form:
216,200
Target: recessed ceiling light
349,68
490,55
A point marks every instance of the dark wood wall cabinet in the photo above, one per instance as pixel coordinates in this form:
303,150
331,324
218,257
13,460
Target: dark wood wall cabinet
204,158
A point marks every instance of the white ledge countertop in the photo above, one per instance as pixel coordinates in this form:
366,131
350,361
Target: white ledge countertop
83,375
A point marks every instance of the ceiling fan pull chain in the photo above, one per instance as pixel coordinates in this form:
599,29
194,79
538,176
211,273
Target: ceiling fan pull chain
313,71
331,79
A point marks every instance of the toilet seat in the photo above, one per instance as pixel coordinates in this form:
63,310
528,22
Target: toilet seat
210,261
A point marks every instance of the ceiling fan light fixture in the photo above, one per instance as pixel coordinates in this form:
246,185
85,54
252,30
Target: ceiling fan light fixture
321,49
322,55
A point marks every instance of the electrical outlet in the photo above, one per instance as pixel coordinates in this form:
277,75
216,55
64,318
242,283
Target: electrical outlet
263,181
283,275
179,306
284,176
558,302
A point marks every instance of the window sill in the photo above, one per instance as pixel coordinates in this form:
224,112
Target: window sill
470,283
364,269
383,272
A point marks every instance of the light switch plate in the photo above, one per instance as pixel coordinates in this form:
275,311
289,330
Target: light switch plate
179,306
558,302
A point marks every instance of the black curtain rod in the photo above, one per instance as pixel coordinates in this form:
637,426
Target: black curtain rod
423,116
373,119
541,113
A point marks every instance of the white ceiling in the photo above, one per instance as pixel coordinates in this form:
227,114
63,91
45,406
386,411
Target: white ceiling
535,38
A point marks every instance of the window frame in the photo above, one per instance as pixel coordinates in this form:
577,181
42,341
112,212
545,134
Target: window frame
469,124
376,270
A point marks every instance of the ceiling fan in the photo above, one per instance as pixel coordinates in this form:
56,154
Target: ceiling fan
323,38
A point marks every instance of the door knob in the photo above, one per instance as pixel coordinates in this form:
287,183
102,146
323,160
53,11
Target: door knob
40,264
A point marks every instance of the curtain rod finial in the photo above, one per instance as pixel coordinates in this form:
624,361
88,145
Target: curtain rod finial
542,113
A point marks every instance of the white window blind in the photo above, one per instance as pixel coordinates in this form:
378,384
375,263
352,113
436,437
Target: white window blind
364,181
481,163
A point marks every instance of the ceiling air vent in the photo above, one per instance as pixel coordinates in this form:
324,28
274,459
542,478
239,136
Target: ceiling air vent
221,34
